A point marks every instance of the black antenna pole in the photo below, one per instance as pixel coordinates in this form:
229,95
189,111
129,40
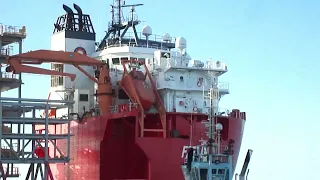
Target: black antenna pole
119,15
112,15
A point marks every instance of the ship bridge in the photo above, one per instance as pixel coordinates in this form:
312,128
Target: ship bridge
216,166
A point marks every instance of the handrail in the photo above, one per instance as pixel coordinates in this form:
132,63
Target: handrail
128,107
13,30
8,75
7,51
131,45
177,62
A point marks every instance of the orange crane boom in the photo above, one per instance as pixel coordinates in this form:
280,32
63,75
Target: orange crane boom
46,56
17,65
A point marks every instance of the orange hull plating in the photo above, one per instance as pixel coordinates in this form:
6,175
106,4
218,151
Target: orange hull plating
106,148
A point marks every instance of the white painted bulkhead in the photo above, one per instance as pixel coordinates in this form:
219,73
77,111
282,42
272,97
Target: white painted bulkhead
83,86
183,82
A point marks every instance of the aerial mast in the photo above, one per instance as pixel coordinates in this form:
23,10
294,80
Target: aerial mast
212,116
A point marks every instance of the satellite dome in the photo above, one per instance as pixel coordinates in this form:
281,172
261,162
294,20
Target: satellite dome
181,43
219,127
146,30
166,37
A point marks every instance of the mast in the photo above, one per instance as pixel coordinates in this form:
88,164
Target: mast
119,11
214,98
119,26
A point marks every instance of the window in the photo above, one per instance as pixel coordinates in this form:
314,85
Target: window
181,78
83,97
57,80
115,61
165,55
142,60
122,94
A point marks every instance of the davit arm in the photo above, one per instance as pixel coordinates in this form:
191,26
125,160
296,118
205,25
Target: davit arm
38,57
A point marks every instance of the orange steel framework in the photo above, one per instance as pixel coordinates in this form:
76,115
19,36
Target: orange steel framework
104,93
104,85
39,154
134,96
38,57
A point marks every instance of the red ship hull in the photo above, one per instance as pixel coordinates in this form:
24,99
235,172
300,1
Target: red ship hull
107,148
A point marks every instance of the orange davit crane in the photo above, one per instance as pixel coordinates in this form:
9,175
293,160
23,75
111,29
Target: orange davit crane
104,93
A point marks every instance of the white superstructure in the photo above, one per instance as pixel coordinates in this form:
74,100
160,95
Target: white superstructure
181,80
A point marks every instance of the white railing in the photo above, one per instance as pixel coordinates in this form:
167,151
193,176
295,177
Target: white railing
7,51
8,75
13,30
123,107
179,62
224,112
224,86
215,65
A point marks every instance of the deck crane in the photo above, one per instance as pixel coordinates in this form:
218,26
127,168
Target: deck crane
245,171
17,64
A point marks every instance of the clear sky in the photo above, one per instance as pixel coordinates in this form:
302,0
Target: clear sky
270,46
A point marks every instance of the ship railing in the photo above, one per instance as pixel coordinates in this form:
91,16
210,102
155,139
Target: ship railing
223,86
215,158
8,51
224,112
124,20
153,37
132,44
211,64
220,158
208,65
9,151
12,30
12,170
7,75
124,107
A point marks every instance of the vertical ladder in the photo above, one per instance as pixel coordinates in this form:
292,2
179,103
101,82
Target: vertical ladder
159,103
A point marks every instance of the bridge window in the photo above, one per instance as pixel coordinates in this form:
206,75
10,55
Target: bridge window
143,60
133,58
165,55
115,61
83,97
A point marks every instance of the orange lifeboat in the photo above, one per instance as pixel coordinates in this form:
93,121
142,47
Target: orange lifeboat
144,92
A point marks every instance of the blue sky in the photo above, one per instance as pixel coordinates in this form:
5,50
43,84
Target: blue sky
270,46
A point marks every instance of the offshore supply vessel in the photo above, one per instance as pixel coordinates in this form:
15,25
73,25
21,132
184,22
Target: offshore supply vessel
138,103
